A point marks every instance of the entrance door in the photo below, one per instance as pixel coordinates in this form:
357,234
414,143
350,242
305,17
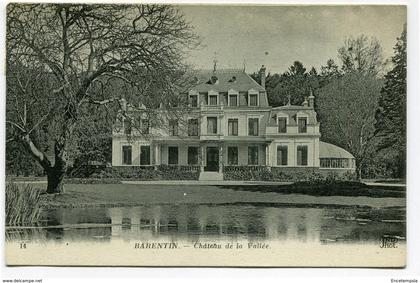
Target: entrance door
212,159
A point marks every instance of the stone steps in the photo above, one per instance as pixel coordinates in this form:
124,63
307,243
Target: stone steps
211,176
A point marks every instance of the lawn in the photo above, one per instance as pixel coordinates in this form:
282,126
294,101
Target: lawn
93,195
337,188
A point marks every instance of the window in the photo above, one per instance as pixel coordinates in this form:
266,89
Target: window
302,155
233,127
335,163
233,100
212,99
173,127
232,155
282,125
126,154
192,155
194,100
282,155
172,155
253,100
144,155
127,127
302,122
253,126
193,127
211,125
144,126
252,155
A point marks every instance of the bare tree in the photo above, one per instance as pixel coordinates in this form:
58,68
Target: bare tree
63,59
361,54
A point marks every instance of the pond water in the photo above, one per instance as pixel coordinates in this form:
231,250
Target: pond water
191,223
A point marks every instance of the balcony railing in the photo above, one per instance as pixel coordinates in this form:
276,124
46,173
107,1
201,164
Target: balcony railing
185,168
211,107
228,168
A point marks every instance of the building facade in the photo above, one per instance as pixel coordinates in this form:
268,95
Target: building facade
230,123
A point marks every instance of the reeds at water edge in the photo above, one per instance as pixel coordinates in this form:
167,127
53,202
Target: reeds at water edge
23,204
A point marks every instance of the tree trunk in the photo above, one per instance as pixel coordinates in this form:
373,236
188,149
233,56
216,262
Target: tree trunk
358,169
55,176
55,179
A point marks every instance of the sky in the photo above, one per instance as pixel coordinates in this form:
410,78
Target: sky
276,36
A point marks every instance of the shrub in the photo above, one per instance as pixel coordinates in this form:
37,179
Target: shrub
162,172
315,176
23,204
237,175
281,174
263,175
350,176
247,173
84,171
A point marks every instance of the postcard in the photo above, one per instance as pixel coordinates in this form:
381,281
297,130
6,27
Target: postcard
206,135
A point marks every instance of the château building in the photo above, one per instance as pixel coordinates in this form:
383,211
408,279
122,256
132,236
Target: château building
230,123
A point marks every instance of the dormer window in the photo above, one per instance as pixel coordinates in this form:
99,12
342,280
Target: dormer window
253,99
282,125
233,100
302,124
213,98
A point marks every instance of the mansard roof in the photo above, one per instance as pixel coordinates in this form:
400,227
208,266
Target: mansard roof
224,80
292,111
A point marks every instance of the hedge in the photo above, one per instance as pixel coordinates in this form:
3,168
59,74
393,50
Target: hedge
279,174
162,172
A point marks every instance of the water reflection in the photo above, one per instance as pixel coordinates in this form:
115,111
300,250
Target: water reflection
217,222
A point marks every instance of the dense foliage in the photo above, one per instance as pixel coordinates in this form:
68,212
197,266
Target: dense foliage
358,109
346,111
391,120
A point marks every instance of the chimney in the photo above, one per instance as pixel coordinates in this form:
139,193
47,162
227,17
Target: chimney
262,76
311,99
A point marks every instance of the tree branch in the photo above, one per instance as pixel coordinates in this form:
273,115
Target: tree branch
36,153
39,122
100,102
21,128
